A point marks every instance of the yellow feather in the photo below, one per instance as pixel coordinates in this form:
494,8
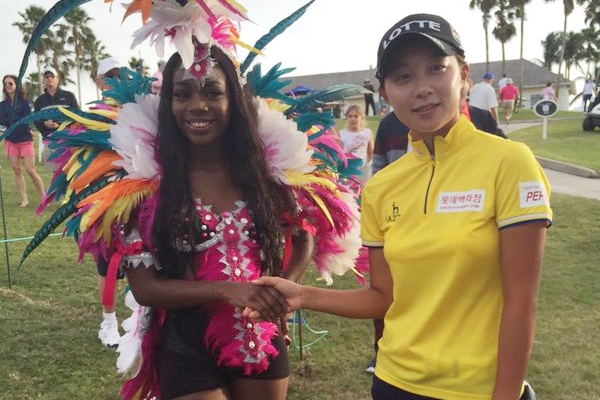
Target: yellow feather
299,179
246,46
240,8
112,113
73,165
89,123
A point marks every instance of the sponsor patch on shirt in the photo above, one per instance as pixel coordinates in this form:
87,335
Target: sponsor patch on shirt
532,194
470,200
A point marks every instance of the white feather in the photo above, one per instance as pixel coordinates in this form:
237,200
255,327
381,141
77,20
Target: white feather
283,142
168,17
350,244
130,344
134,137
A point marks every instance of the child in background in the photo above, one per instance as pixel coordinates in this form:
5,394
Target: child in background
358,140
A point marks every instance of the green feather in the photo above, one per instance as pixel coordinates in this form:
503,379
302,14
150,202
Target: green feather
59,216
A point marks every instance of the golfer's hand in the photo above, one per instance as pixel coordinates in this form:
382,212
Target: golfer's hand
288,289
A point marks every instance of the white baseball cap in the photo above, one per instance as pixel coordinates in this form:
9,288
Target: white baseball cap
50,70
106,65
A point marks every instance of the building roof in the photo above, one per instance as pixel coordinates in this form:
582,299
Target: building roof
533,76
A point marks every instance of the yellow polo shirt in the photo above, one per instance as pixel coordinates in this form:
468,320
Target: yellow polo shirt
437,219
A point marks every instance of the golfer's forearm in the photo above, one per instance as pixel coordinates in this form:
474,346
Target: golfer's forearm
355,303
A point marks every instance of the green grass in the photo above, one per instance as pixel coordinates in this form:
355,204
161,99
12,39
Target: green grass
565,141
49,318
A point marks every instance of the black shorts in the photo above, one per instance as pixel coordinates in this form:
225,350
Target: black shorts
185,366
102,268
384,391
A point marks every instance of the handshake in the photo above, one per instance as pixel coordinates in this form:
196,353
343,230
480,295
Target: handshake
273,298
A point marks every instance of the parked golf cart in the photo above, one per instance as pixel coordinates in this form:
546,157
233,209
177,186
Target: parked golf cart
592,118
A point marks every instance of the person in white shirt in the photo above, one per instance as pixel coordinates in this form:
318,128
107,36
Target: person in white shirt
483,95
502,81
589,90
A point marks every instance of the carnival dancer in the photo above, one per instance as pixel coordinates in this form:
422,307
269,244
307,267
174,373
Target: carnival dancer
194,194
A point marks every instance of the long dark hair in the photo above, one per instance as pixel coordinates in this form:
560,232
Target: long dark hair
18,96
176,217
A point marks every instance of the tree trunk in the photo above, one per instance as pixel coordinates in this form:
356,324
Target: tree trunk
40,76
487,46
564,43
520,98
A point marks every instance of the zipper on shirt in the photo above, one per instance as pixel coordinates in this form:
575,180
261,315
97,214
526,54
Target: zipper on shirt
432,158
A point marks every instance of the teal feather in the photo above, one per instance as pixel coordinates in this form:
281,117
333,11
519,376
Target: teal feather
50,113
273,33
60,215
269,86
58,187
54,14
56,115
72,226
308,119
129,84
90,137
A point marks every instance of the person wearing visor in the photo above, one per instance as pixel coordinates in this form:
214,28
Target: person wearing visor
455,230
107,68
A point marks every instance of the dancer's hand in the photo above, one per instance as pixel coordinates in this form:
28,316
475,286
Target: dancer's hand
265,300
289,290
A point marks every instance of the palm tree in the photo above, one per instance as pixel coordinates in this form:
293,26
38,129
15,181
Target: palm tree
76,33
568,6
30,85
30,19
574,53
505,29
138,65
552,45
592,18
591,51
95,51
519,5
486,7
591,10
60,56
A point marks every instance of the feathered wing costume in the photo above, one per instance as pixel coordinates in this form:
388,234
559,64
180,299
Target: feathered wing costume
107,171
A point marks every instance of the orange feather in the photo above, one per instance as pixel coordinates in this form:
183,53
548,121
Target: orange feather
102,165
114,193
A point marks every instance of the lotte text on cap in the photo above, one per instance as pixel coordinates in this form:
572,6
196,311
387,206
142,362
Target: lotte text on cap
433,27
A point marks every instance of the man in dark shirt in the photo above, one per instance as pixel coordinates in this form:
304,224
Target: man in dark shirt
369,100
53,96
